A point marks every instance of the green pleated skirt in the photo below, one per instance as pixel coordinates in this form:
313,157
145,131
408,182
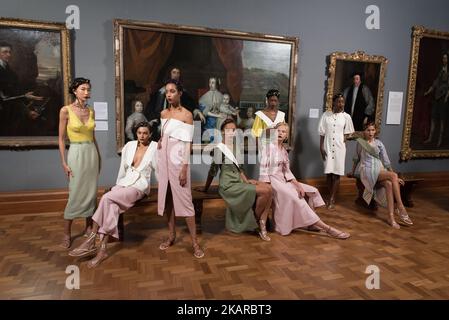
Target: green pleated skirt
83,159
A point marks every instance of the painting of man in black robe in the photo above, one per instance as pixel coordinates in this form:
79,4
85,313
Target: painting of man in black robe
31,83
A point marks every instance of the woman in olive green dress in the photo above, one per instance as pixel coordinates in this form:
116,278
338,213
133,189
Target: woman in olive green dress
240,194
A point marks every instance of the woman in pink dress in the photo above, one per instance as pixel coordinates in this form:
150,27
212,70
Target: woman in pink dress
174,192
290,208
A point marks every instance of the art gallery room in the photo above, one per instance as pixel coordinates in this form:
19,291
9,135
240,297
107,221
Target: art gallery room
224,150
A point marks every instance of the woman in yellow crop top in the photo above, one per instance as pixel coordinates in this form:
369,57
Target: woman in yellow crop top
77,122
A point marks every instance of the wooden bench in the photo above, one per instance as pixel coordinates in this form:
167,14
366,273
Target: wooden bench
197,199
406,191
408,187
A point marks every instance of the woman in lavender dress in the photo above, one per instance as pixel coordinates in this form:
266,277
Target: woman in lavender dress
373,166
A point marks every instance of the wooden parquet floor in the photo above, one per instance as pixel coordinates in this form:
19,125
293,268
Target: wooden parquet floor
413,261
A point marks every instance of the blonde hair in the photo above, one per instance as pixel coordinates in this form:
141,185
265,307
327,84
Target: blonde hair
283,124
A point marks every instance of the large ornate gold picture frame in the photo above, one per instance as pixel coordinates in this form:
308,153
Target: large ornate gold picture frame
426,131
244,66
34,78
342,67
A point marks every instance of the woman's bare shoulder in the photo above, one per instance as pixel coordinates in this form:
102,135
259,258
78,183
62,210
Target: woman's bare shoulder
64,110
187,116
164,113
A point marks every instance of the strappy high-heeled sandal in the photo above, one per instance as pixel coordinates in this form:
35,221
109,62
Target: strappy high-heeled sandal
331,205
337,234
87,233
66,242
101,256
197,251
168,242
263,234
87,248
393,223
403,217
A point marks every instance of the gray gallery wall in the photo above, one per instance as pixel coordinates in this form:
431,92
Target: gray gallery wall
322,27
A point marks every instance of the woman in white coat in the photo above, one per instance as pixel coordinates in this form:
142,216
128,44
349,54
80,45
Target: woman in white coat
334,128
133,183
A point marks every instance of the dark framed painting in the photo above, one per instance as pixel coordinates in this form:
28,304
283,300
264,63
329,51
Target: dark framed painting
426,120
227,72
34,80
360,78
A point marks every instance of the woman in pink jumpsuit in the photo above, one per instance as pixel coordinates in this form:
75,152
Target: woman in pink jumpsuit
290,208
174,191
133,183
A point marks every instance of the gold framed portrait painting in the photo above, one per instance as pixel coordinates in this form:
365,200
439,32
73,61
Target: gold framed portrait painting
426,120
219,70
34,79
360,78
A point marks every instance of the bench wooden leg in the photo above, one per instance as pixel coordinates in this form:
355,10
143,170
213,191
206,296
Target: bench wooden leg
198,205
121,228
406,193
